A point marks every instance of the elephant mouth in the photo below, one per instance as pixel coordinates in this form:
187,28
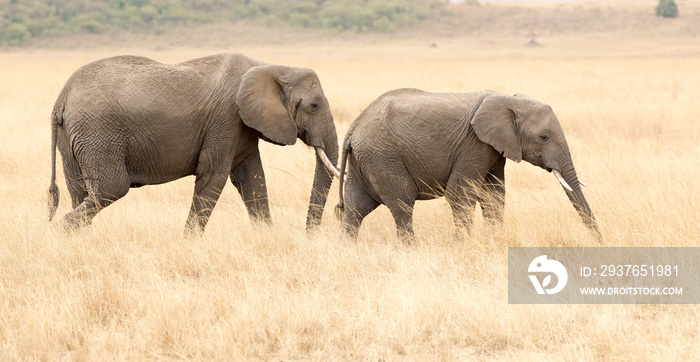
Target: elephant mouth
308,140
561,180
301,134
269,140
559,177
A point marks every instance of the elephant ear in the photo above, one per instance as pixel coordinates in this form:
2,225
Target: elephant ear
263,103
495,123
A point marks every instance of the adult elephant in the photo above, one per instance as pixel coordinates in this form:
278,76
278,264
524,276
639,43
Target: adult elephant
413,145
130,121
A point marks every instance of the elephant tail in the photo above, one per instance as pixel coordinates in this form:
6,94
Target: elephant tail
56,121
340,207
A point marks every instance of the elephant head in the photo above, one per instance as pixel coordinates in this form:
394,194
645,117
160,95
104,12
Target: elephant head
285,103
522,128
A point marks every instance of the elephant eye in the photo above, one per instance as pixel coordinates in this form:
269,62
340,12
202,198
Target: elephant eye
544,138
314,106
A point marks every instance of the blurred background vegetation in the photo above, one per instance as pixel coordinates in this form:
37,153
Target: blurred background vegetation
22,20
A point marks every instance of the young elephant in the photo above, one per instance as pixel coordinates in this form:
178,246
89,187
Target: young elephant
413,145
130,121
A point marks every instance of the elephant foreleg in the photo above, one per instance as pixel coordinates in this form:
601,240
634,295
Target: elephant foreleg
249,179
493,196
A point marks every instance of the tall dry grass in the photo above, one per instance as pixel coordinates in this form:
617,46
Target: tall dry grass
131,287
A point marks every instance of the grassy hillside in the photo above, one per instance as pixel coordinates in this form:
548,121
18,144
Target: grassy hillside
546,18
220,24
22,21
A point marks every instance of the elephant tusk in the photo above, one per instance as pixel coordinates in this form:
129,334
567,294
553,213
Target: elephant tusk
329,165
582,183
561,180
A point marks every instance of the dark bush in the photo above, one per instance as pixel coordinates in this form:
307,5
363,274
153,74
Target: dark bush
15,34
667,9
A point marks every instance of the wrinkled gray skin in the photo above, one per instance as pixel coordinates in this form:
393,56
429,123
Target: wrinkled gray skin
413,145
129,121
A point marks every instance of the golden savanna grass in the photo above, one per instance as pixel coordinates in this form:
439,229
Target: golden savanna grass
132,287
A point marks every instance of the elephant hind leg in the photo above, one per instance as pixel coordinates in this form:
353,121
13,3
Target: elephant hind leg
397,190
403,195
249,179
358,204
77,189
213,169
461,194
96,192
74,179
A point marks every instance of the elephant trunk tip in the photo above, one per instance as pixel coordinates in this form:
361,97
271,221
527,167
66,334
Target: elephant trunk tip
592,225
53,201
599,237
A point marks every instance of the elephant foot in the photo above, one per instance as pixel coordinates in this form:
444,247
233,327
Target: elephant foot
193,232
71,226
408,240
406,235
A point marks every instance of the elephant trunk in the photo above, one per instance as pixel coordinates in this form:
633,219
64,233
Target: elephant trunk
323,177
577,198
